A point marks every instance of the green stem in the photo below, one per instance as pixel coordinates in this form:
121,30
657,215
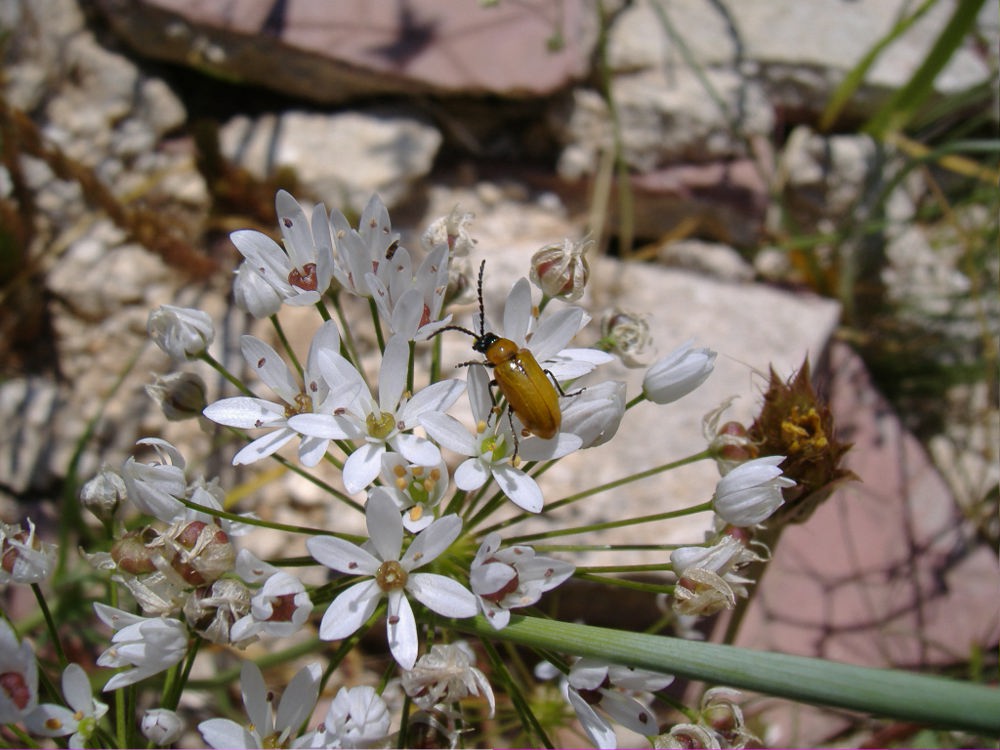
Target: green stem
287,346
522,707
703,507
221,369
614,484
50,624
377,324
880,692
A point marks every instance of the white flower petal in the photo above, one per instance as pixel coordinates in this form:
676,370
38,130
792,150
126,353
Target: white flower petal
264,446
437,397
224,733
350,610
401,629
517,312
362,466
416,450
471,475
519,487
431,542
385,526
392,375
599,731
555,331
255,697
246,413
442,594
449,432
628,712
325,426
343,556
270,368
299,698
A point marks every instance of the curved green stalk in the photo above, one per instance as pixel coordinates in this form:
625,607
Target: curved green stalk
881,692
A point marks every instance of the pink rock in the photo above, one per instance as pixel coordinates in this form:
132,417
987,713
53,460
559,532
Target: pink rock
333,51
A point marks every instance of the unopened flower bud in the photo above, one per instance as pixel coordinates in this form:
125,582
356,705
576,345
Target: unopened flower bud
161,726
181,395
560,269
677,374
253,294
181,332
625,334
104,494
203,552
751,492
132,554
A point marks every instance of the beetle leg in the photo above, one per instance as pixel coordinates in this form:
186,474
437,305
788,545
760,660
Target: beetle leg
559,387
513,433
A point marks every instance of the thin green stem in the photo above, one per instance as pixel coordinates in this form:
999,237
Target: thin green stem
691,510
279,329
251,521
221,369
517,698
50,624
624,583
377,324
348,347
614,484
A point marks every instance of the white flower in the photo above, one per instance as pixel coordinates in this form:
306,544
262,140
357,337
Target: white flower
279,608
79,720
547,337
382,422
451,231
104,494
751,492
19,686
265,729
154,487
391,576
24,558
678,373
148,644
161,726
365,250
253,294
595,414
415,489
707,577
513,577
446,674
411,302
256,413
181,332
591,678
300,273
357,717
491,451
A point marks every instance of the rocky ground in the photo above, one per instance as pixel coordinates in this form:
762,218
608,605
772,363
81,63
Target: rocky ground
138,134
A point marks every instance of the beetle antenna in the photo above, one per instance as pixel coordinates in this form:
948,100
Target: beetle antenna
454,328
482,309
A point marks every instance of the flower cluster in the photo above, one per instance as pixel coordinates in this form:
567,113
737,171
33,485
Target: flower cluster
433,486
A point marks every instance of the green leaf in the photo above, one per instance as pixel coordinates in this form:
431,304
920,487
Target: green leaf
880,692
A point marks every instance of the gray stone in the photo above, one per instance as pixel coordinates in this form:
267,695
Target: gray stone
799,51
331,52
339,158
665,119
711,258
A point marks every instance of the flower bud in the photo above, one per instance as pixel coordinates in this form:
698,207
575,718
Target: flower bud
181,395
161,726
213,610
751,492
560,269
182,332
452,230
252,294
131,554
625,334
677,374
202,551
104,494
24,558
